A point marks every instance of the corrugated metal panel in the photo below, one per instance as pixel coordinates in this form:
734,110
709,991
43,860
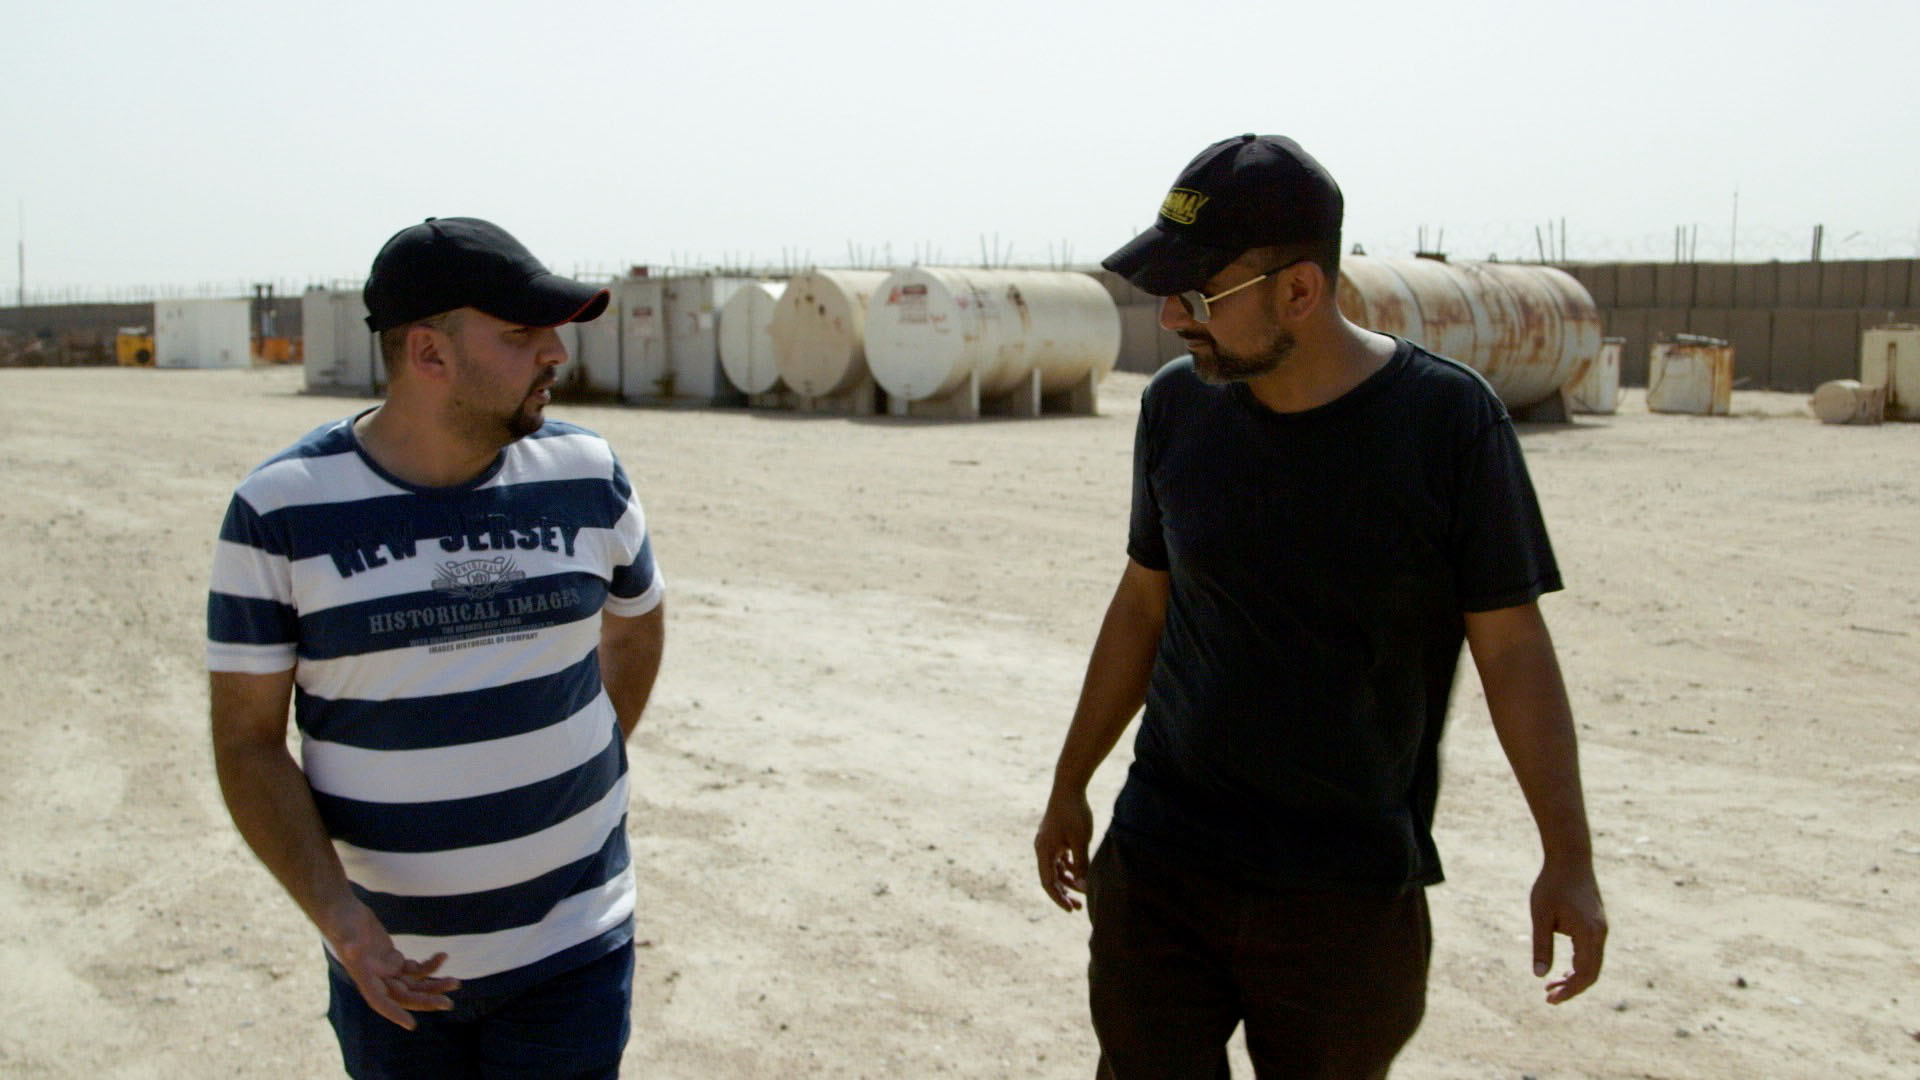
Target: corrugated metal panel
1792,361
1599,280
1799,285
1140,338
1836,345
1635,285
1756,284
1666,322
1713,285
1751,331
1843,284
1673,285
1708,322
1629,325
1878,290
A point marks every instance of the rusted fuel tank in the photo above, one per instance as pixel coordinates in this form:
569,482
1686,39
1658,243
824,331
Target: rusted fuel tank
1530,330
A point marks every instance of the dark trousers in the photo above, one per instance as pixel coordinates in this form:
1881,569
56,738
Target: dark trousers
1330,985
573,1025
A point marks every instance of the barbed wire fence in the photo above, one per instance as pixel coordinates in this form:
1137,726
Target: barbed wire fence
1558,240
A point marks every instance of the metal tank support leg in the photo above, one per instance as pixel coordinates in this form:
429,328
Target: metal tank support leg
963,403
1080,399
1024,400
861,399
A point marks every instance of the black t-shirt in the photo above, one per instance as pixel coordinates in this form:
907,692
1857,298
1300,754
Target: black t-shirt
1320,563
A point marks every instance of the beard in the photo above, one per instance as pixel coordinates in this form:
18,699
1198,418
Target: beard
485,422
1218,367
531,416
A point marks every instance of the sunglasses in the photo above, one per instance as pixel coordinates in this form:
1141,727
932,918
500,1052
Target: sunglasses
1197,304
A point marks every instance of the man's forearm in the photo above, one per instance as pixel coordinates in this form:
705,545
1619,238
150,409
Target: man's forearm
1116,681
1527,701
630,651
272,806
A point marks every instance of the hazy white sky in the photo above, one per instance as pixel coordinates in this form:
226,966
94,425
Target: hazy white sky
224,141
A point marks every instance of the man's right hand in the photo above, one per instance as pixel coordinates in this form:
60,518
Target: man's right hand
1060,846
393,986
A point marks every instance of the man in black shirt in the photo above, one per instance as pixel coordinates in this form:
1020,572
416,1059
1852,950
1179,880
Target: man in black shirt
1321,515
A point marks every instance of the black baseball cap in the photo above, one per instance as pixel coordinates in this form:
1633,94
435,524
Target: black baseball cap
1241,193
446,263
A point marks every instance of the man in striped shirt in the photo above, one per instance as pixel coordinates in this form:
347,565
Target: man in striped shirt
460,602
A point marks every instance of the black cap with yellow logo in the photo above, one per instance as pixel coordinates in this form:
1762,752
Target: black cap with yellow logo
1241,193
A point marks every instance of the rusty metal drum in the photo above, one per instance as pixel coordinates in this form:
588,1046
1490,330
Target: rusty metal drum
1529,330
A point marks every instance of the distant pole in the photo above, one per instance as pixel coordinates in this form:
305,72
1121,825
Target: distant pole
1539,243
1733,235
22,283
1817,231
1563,240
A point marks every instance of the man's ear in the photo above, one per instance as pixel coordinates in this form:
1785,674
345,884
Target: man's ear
1304,288
429,352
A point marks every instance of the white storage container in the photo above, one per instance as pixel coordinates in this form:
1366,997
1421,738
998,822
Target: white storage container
203,333
339,353
1890,357
1690,375
1597,390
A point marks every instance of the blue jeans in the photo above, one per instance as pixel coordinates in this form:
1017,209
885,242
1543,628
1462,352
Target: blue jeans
573,1025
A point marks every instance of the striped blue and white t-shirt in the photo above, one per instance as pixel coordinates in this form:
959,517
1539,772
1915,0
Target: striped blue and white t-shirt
453,727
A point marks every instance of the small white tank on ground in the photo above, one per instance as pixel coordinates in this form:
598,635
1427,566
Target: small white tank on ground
819,331
946,332
1846,401
1890,357
746,341
339,354
1597,390
202,333
1690,374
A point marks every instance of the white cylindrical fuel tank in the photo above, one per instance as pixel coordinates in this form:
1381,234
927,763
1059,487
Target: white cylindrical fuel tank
746,340
1846,401
931,328
1530,330
819,330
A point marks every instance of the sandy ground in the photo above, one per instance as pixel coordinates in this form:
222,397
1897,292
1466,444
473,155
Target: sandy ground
877,631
